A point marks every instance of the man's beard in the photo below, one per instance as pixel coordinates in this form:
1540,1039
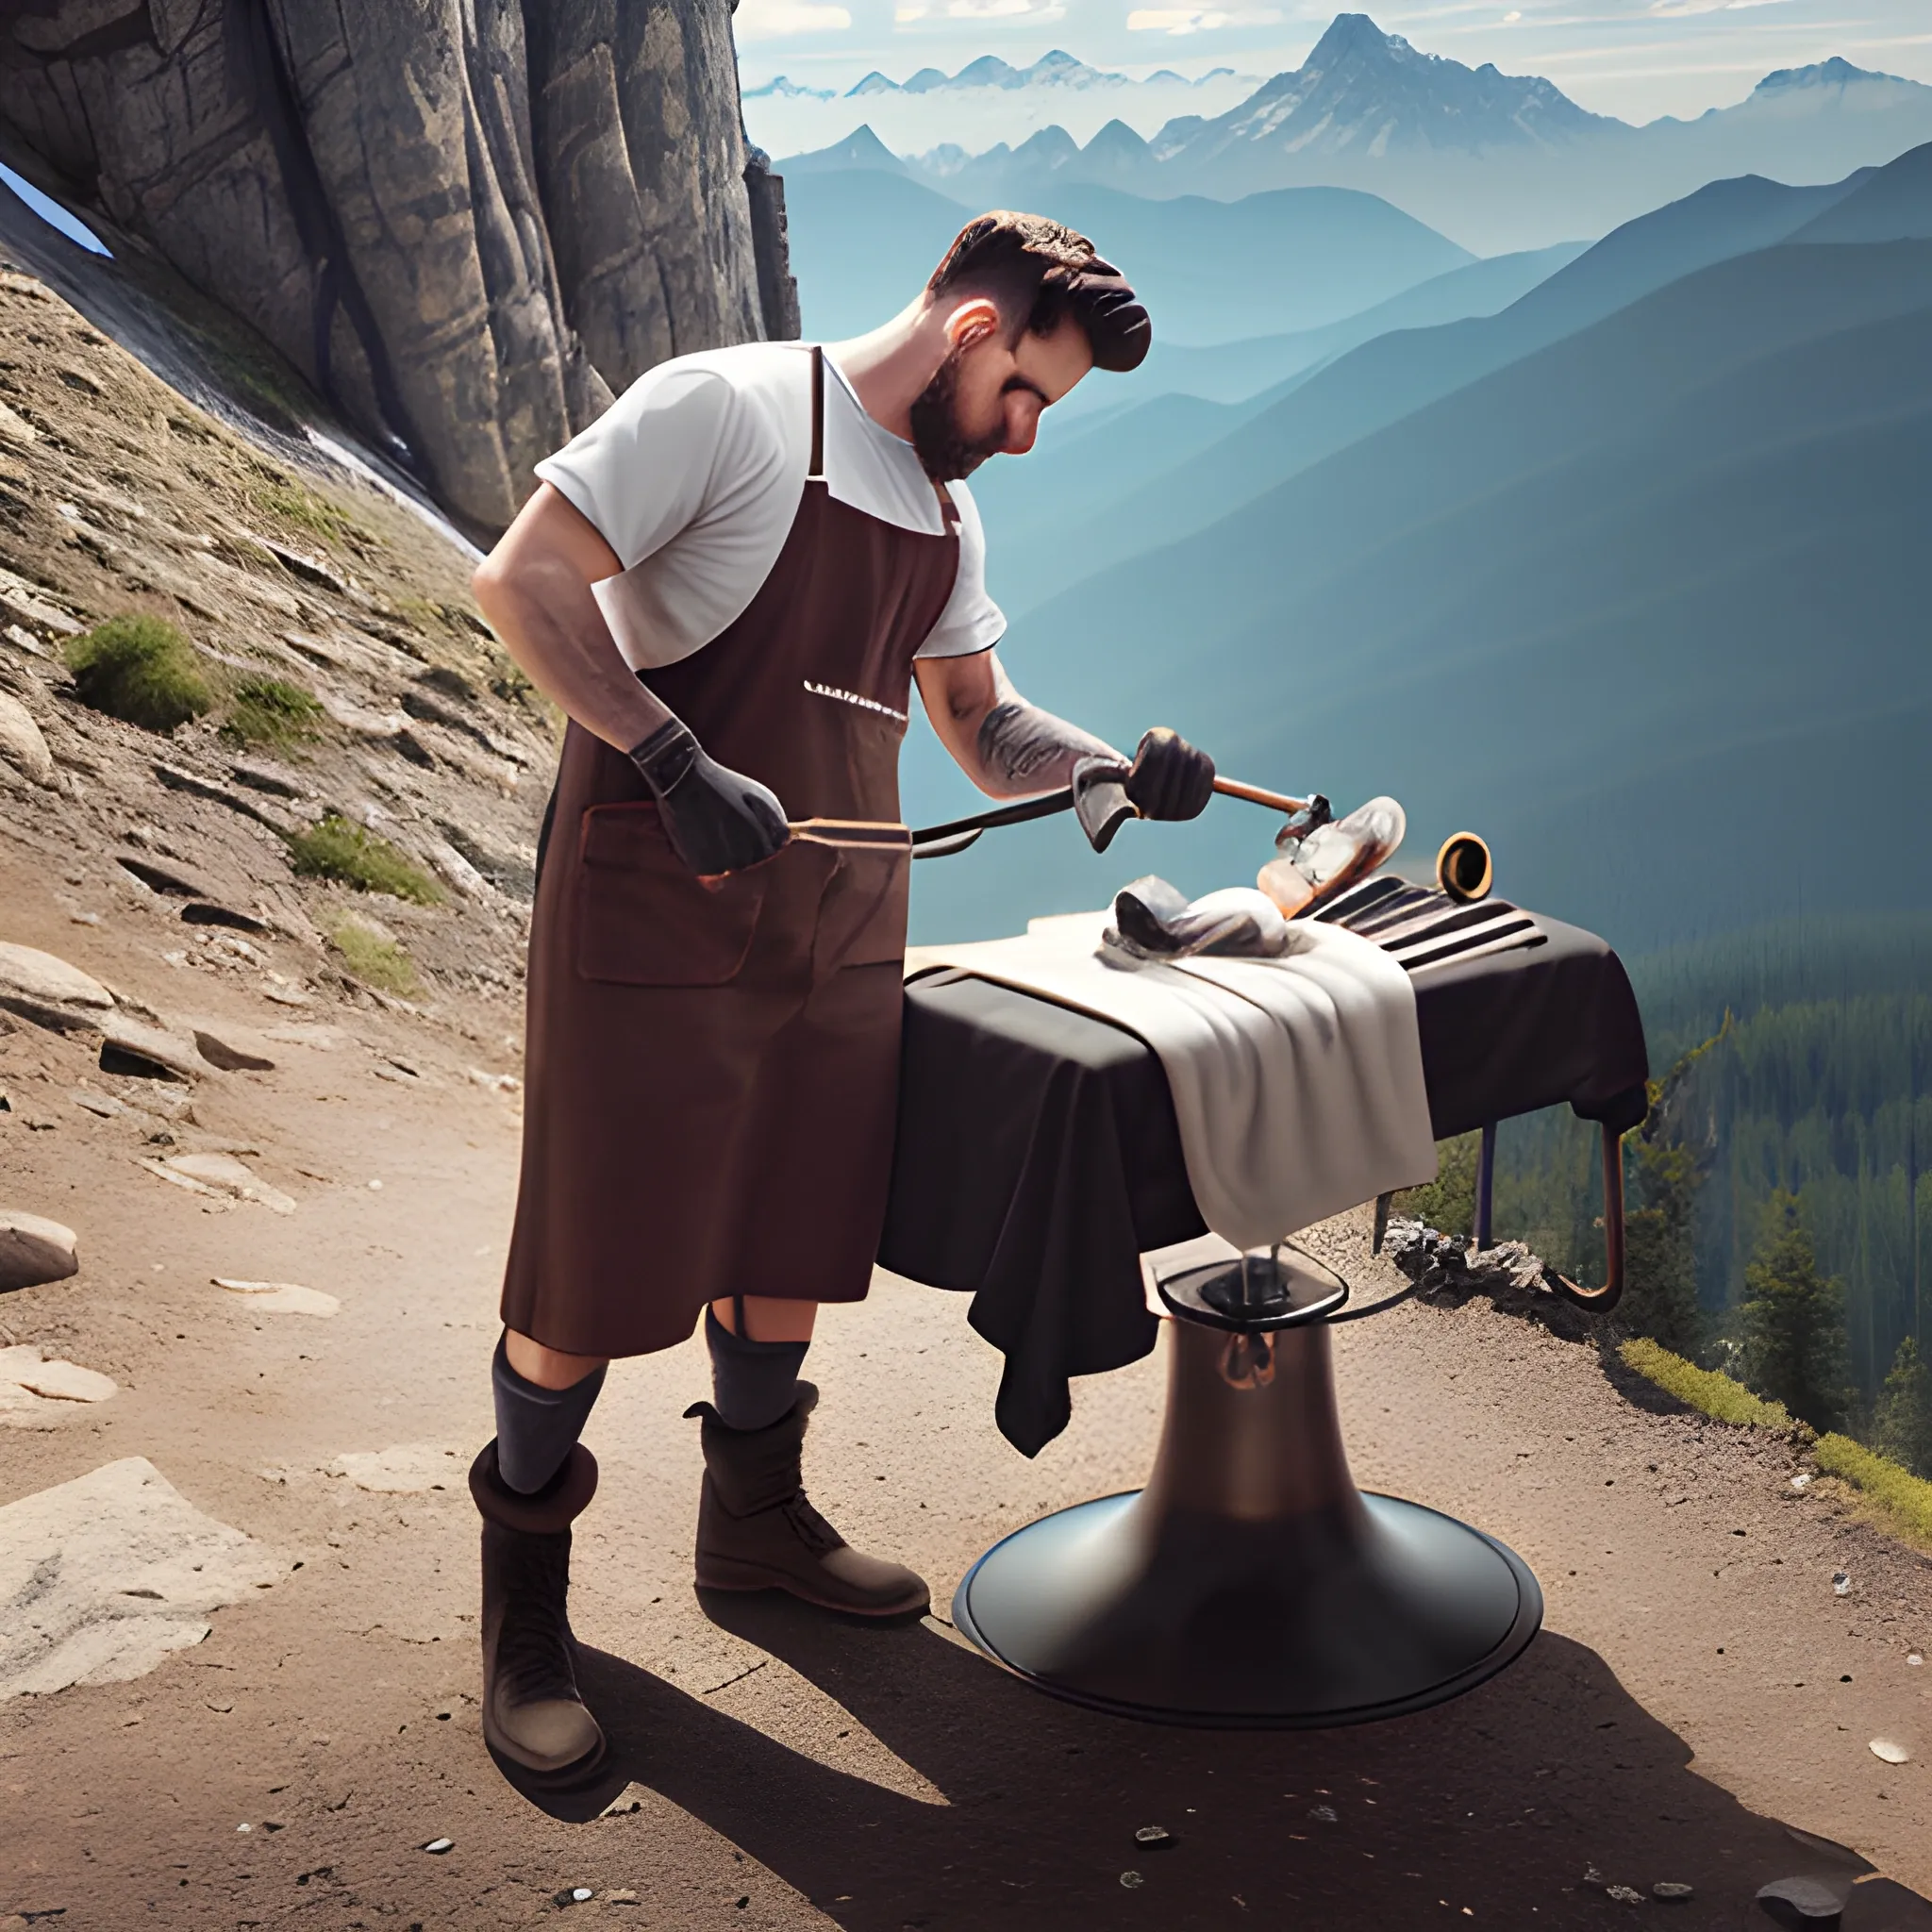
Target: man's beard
945,450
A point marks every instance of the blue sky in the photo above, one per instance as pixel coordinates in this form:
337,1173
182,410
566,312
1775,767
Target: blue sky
1637,59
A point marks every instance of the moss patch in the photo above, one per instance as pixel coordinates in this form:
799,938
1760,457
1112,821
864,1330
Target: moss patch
141,670
293,503
1906,1499
271,711
374,960
1901,1499
1715,1395
341,850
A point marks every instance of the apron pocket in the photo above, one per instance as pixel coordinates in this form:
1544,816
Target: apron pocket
642,919
862,917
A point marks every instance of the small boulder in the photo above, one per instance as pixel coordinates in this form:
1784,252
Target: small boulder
52,1379
1798,1903
220,1175
281,1297
34,1251
231,1052
147,1052
20,744
47,990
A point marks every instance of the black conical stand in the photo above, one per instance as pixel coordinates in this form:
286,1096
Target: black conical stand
1251,1583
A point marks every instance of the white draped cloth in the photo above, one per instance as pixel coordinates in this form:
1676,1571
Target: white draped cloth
1297,1081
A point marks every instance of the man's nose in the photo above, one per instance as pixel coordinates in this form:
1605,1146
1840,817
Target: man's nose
1022,425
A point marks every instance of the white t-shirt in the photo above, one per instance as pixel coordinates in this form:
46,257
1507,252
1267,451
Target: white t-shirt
693,476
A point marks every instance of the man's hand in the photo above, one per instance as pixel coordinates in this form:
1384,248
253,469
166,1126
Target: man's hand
1169,778
717,819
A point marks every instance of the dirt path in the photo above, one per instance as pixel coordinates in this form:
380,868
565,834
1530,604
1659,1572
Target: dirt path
792,1772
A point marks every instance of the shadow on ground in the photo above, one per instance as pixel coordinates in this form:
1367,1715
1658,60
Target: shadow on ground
1492,1807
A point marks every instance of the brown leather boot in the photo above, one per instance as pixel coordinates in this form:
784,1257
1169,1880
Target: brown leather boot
756,1530
532,1712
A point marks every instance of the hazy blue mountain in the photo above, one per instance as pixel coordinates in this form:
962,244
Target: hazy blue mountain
863,242
1645,607
1094,466
1495,161
860,149
1381,382
1891,204
1232,372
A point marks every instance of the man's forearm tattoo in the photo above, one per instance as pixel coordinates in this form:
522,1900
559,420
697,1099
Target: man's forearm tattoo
1028,747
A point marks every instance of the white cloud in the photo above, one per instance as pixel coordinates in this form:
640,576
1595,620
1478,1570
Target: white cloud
1510,18
1189,20
773,19
1006,9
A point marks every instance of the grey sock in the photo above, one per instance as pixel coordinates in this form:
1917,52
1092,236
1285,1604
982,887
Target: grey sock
536,1427
753,1383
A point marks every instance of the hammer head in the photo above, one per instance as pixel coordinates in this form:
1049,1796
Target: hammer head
1100,800
1311,818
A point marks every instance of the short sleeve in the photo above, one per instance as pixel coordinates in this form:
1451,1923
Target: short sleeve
971,622
644,470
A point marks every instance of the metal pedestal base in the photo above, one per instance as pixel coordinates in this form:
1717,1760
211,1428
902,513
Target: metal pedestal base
1251,1583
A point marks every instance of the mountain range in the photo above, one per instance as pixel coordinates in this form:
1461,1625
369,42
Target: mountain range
864,241
986,101
1497,162
1631,578
1056,69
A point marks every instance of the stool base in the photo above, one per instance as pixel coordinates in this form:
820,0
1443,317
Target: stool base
1251,1583
1258,1635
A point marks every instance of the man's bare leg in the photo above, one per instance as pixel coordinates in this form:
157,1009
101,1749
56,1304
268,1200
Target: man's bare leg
766,1318
549,1367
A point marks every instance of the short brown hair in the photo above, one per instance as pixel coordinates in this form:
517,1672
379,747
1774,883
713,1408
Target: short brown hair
1040,271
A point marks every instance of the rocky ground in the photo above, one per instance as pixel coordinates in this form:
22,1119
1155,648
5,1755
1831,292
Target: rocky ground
116,496
273,1714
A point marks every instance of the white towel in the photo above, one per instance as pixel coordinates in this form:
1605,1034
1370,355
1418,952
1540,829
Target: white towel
1297,1081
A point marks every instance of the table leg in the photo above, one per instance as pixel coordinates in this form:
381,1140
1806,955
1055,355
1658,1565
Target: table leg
1486,1190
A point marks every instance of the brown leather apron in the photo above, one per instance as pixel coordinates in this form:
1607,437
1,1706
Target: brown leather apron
712,1069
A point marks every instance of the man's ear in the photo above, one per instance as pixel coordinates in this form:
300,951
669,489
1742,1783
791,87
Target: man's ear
972,322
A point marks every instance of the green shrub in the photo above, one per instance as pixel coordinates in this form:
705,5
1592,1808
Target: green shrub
1447,1204
1897,1491
270,711
1705,1390
342,850
141,670
375,961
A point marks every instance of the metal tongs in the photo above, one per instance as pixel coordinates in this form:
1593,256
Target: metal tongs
1100,800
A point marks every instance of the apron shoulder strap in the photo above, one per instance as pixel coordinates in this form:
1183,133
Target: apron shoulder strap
817,473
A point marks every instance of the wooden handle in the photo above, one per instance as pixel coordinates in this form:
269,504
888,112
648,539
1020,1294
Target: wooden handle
1233,788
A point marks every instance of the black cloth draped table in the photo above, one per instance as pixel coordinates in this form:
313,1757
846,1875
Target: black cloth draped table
1038,1157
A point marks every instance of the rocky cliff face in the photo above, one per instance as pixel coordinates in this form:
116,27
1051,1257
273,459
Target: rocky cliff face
466,222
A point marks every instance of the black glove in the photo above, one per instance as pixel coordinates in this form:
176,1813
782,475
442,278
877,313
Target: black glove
1169,778
717,819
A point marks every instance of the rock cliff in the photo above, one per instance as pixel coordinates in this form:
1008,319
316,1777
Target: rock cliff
466,222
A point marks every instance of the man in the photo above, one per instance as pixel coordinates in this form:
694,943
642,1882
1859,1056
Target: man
729,583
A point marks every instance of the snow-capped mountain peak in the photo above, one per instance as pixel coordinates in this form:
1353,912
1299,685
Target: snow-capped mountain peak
1366,92
1056,69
